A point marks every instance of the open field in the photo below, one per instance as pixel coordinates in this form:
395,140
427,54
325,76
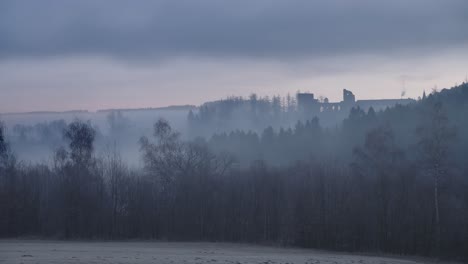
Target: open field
48,252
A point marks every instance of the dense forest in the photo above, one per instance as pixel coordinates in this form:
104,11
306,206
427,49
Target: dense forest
392,181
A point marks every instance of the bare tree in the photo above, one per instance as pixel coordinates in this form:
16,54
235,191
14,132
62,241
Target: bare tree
380,161
82,184
81,138
435,138
116,179
6,156
3,144
163,159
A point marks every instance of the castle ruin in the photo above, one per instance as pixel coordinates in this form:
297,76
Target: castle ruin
307,103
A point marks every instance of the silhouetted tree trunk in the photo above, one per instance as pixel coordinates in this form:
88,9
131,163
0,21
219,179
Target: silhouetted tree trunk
435,138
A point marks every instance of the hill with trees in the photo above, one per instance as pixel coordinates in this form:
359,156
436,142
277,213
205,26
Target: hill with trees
392,181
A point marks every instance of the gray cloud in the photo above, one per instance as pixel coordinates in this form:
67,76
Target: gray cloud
242,28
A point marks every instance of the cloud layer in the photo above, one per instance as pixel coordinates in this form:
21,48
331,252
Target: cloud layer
153,30
92,54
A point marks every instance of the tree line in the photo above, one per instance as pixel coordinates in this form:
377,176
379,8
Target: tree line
358,187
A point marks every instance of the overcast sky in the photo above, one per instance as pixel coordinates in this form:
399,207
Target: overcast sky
88,54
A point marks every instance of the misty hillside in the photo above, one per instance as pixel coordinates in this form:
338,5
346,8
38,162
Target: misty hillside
390,181
307,139
294,131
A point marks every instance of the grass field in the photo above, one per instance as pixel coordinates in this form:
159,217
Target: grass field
48,252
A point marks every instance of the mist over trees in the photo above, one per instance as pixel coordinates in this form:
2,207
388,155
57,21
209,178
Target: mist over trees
391,181
33,137
254,113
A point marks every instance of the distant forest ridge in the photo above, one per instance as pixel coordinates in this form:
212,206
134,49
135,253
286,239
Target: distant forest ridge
171,107
46,112
187,107
168,108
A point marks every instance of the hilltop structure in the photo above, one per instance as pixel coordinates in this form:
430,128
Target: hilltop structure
307,103
256,113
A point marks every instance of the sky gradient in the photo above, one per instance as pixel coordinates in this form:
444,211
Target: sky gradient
64,55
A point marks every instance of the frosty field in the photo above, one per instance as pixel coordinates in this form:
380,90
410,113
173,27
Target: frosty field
45,252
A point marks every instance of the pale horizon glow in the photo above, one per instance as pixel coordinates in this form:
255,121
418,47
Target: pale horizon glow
88,83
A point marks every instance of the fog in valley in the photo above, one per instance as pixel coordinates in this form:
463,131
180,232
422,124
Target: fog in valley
247,170
240,132
35,136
